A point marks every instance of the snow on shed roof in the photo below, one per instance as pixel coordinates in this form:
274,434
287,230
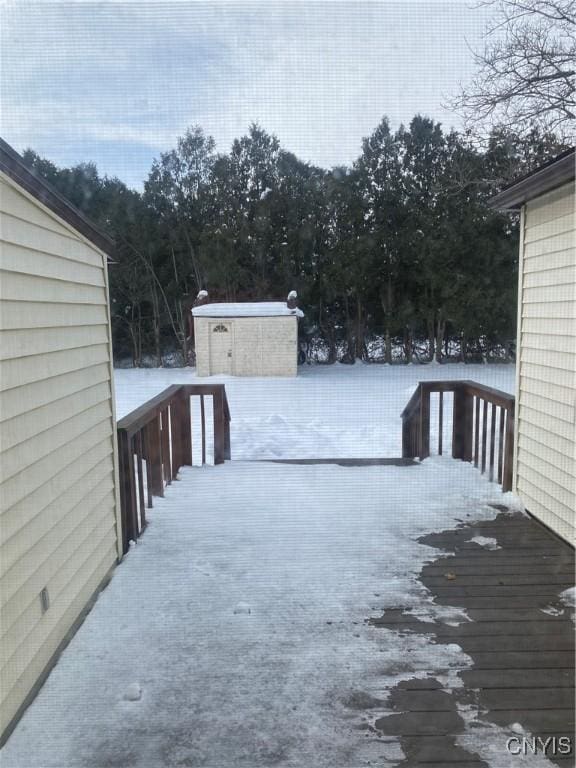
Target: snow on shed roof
246,309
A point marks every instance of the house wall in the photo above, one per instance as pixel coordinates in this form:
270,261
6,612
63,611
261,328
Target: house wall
545,464
261,346
58,503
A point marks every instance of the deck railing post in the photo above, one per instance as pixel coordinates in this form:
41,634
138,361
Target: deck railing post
139,451
155,446
128,502
218,416
185,429
462,423
175,435
424,437
407,451
508,450
165,443
227,449
146,441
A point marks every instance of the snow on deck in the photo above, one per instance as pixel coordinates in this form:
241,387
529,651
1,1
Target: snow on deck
233,633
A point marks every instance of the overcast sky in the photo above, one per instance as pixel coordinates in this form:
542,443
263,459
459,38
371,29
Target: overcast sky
117,82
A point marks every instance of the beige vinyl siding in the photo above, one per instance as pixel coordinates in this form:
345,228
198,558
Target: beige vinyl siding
58,490
280,346
545,458
202,346
36,394
23,677
247,347
18,286
261,346
42,264
22,371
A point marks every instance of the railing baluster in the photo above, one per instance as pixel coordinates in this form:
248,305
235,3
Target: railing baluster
155,443
219,417
140,473
203,428
166,459
492,441
186,430
227,444
424,423
147,455
484,434
476,430
175,435
500,443
440,421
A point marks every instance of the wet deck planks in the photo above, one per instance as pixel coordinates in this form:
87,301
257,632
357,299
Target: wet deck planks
520,638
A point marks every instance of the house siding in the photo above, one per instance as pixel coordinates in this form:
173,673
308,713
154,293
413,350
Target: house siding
261,346
58,491
545,456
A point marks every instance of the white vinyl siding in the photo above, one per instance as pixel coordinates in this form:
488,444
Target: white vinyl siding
261,346
545,461
58,495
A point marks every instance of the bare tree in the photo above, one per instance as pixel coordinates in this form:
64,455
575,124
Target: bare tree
526,69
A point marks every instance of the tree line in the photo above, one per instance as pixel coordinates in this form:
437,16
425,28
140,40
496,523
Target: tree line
395,257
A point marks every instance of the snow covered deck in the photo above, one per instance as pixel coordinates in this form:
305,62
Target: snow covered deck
316,615
295,615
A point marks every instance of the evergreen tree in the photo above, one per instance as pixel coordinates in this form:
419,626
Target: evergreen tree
402,245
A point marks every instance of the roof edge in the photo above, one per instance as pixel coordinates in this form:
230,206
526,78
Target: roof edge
12,164
235,309
557,172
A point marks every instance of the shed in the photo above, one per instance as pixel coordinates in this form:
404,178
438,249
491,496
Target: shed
246,338
545,445
60,522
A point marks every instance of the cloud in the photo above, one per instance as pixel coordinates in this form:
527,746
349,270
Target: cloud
318,74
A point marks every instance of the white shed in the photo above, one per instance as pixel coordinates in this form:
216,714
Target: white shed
59,505
545,443
246,338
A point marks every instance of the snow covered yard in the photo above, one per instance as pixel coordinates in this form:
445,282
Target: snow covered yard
234,633
326,411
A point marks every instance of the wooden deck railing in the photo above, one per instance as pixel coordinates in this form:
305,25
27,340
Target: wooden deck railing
156,439
482,426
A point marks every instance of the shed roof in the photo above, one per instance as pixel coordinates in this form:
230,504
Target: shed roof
246,309
12,164
555,173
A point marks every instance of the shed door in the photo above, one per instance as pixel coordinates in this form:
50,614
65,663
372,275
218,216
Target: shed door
220,348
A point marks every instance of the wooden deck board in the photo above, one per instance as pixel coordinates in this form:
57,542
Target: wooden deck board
518,628
519,636
348,462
